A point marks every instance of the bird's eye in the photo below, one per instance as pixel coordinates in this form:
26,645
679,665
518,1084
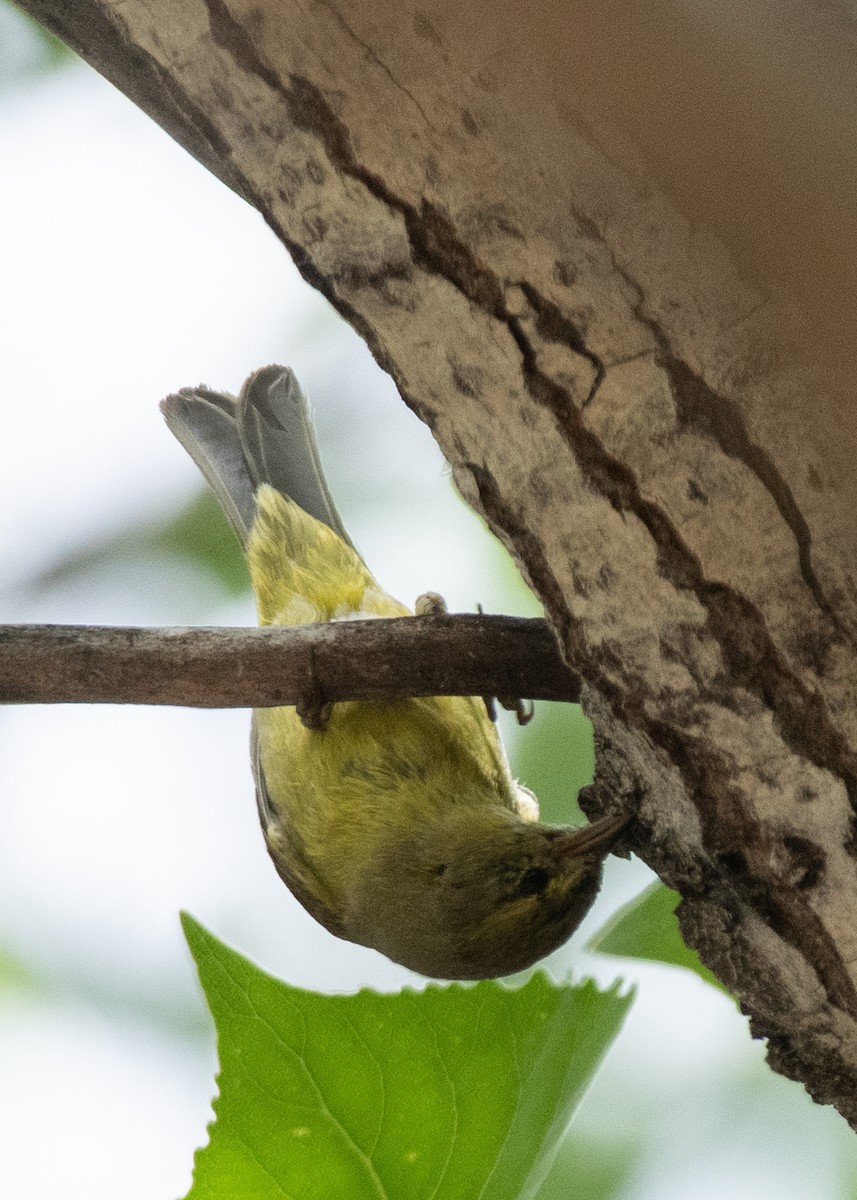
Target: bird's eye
533,881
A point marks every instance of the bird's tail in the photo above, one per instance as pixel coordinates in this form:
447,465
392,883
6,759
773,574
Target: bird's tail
259,454
265,435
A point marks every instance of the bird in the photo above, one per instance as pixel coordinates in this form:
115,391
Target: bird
398,824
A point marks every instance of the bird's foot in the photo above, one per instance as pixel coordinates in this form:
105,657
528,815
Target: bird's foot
312,708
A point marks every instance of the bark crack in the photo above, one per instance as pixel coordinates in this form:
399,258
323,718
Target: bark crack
232,36
717,416
554,326
372,57
710,412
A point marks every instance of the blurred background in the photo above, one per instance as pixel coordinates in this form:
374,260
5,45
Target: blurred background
127,271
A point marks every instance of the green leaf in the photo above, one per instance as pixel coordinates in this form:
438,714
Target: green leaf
589,1168
451,1093
647,928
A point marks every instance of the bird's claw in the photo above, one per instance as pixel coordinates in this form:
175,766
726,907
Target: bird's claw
524,710
312,708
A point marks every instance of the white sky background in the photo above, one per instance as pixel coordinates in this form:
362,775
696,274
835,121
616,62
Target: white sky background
127,271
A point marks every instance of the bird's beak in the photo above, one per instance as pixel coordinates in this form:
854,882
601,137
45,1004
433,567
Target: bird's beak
597,838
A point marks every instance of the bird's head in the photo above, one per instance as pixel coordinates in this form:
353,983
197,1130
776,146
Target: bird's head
484,894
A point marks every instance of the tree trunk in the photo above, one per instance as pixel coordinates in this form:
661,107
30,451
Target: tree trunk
561,228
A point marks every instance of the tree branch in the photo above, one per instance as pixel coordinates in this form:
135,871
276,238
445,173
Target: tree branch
251,668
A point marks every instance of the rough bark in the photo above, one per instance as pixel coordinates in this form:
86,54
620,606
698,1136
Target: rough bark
628,409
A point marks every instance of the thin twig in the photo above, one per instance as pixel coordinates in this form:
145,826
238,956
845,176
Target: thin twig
438,655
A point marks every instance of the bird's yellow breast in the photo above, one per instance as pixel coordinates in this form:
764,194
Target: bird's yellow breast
376,768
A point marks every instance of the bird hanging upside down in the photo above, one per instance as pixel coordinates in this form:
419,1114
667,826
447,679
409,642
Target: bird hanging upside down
397,825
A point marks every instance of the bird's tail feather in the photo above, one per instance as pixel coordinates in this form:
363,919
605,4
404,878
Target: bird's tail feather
263,436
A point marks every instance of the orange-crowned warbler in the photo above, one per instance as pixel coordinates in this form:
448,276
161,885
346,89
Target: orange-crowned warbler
397,825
